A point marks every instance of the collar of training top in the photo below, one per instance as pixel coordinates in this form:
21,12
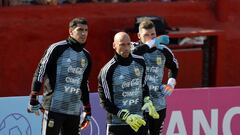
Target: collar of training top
75,44
123,61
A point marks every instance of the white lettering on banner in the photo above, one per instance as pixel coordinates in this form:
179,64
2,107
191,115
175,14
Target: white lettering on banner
200,120
130,102
132,83
69,89
76,70
226,126
176,120
72,80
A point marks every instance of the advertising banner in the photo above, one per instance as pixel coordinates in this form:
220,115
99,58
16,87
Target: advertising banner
199,111
203,111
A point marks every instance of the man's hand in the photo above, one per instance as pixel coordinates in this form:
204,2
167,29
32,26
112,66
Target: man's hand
167,89
86,117
34,105
158,42
164,39
149,105
152,43
86,121
133,120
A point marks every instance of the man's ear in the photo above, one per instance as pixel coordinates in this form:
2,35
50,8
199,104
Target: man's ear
113,45
138,35
70,31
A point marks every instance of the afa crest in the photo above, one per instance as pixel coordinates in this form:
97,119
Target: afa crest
159,60
137,71
83,62
51,123
121,77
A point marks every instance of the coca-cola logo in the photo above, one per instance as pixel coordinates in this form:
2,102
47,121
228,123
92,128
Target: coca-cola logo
75,70
132,83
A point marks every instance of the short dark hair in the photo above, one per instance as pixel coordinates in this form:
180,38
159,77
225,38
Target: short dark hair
75,21
146,24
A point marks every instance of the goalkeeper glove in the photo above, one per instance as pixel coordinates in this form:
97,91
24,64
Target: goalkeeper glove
164,39
159,42
153,42
166,89
86,121
133,120
169,87
87,117
149,105
34,105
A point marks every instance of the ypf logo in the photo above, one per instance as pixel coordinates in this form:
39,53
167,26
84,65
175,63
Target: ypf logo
93,128
15,124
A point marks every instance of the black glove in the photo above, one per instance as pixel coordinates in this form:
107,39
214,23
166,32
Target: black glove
34,104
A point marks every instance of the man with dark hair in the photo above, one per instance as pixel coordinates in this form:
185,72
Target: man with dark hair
123,90
157,56
64,70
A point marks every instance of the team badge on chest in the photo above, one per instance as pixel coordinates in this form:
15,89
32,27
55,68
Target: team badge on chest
51,123
121,77
83,62
137,71
159,60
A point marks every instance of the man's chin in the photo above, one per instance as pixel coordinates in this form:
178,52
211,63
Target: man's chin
82,41
125,55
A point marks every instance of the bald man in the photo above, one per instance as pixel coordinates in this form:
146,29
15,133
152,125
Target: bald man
122,89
